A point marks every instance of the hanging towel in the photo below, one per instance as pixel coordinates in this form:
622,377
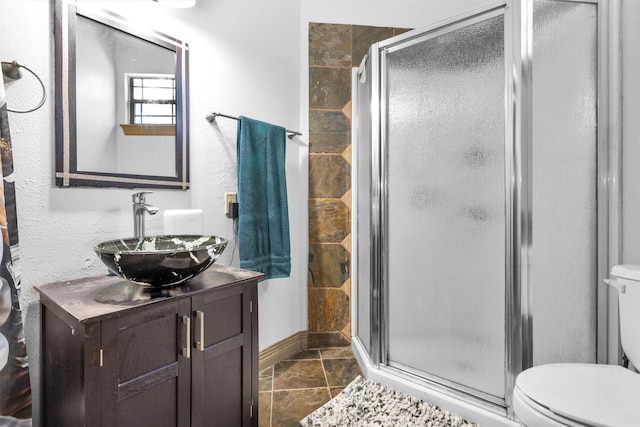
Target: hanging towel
263,214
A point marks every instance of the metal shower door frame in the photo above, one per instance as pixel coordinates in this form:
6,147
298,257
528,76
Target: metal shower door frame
518,21
380,253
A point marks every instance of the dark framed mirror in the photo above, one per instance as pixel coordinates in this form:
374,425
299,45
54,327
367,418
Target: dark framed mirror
121,102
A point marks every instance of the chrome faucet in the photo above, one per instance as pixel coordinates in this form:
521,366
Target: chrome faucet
139,208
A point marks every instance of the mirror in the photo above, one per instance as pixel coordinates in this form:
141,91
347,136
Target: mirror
121,102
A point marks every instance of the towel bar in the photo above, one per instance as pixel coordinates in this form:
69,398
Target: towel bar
212,117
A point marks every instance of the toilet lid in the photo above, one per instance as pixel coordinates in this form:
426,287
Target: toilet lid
631,272
597,395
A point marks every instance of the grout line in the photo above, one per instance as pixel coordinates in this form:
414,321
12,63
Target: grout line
303,388
300,360
271,409
329,109
327,154
349,67
273,377
324,371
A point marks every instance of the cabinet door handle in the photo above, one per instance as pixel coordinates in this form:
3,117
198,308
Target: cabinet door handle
186,351
200,340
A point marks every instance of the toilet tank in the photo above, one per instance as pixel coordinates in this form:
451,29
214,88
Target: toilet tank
626,279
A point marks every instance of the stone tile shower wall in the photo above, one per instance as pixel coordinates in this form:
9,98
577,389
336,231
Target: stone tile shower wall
334,49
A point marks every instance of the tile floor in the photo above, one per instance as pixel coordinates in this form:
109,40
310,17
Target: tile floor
293,388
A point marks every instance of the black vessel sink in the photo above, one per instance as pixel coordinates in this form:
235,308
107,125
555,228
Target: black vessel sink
160,260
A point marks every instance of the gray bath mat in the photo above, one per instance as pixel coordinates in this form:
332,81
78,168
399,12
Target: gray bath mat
364,403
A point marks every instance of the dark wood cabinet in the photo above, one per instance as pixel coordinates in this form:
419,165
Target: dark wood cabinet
119,354
142,367
224,350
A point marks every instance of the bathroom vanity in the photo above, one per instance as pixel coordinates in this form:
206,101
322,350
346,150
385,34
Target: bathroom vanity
115,353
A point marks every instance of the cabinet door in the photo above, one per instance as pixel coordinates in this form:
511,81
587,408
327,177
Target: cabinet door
145,374
71,370
223,361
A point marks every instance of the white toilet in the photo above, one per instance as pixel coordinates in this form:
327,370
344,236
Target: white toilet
575,394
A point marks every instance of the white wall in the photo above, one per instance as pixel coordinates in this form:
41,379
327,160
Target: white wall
244,61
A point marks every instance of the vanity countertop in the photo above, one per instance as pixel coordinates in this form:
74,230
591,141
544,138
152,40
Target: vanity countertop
91,298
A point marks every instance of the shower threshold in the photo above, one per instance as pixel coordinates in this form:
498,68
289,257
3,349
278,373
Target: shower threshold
468,408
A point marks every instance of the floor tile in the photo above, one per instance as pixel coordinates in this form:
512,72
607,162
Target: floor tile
265,379
300,385
306,354
294,374
335,391
265,400
340,372
290,406
336,353
266,372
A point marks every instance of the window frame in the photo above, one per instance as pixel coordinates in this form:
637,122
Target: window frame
133,102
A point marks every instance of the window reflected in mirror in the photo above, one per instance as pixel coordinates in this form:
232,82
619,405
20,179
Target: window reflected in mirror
152,99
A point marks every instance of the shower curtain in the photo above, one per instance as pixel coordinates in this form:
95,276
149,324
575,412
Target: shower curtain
15,389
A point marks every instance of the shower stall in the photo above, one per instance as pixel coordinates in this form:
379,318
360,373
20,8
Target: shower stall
480,202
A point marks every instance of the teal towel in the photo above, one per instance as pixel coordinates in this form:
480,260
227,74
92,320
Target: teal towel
263,213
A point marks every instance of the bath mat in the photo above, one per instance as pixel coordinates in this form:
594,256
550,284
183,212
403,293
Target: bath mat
365,403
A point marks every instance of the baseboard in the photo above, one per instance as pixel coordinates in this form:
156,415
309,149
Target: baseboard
282,350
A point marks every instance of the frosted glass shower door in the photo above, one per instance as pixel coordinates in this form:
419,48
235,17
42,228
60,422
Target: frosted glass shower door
563,271
444,148
363,170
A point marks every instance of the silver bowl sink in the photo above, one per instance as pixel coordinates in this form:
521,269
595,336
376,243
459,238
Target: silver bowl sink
160,260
